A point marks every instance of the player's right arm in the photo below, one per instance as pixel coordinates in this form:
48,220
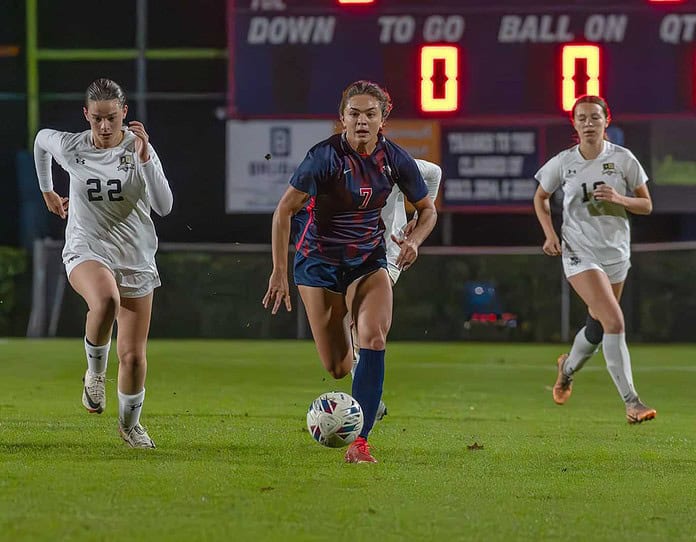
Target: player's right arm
542,208
48,144
549,177
278,287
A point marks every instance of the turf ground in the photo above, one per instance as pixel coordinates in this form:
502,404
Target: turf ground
234,461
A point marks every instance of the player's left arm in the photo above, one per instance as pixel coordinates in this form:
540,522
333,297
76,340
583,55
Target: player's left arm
636,179
638,204
156,184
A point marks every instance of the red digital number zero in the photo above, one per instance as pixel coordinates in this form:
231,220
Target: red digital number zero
430,100
571,53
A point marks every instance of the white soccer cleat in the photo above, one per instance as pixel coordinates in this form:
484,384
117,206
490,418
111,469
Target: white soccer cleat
94,392
136,437
381,411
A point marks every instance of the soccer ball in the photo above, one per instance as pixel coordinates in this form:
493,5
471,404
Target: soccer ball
334,419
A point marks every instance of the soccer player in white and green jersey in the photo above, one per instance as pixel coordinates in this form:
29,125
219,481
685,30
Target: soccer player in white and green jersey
394,215
397,228
601,181
110,241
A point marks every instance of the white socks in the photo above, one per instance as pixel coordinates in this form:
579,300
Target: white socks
129,408
619,365
581,351
97,357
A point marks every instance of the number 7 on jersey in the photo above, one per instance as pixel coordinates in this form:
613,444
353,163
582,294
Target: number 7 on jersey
366,193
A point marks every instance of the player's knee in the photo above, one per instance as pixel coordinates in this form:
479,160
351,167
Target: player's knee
373,335
132,359
375,342
105,308
613,323
593,330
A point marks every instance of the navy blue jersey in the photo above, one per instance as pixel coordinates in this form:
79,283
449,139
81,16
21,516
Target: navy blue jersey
342,221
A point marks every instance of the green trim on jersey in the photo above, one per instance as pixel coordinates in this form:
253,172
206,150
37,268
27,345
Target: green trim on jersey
605,208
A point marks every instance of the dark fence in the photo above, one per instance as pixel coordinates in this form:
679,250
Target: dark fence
218,294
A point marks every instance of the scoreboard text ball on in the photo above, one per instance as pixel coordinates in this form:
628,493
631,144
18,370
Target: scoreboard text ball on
460,59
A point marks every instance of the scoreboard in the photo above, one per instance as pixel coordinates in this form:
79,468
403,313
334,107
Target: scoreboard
481,87
462,58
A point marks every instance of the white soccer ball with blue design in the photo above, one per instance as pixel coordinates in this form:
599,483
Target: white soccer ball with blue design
334,419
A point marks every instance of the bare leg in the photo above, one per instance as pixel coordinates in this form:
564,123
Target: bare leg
326,312
133,329
97,286
370,300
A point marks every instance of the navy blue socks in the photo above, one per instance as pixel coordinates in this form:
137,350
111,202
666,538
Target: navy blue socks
367,385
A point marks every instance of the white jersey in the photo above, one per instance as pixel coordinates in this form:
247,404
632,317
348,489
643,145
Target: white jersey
111,194
594,228
394,212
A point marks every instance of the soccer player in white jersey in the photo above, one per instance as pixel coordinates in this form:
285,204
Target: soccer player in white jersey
110,241
597,178
397,228
394,215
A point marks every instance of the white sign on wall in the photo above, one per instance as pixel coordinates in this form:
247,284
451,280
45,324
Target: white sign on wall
261,157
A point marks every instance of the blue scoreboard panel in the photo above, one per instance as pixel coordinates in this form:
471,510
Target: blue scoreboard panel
462,58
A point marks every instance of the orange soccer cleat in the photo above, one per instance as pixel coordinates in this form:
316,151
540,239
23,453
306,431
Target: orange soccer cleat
359,452
564,383
637,412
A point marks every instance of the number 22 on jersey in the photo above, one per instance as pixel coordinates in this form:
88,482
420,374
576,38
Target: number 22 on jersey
113,191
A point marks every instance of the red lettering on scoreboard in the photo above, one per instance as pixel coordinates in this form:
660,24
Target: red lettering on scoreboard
441,93
569,62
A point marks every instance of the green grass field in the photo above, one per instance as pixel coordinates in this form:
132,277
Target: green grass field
235,462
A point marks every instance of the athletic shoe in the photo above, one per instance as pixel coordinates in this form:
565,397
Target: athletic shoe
136,437
93,392
564,383
637,412
359,452
381,411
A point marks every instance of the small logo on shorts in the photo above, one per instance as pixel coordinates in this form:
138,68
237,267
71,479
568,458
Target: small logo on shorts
72,259
573,260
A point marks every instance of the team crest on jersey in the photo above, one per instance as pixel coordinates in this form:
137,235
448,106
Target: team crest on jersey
571,173
608,168
79,160
126,163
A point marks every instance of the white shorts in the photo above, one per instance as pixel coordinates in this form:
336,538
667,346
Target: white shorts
574,264
130,282
394,272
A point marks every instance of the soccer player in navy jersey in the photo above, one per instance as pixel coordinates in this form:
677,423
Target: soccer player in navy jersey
341,265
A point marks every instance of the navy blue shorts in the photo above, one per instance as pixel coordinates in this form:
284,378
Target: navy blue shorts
311,271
